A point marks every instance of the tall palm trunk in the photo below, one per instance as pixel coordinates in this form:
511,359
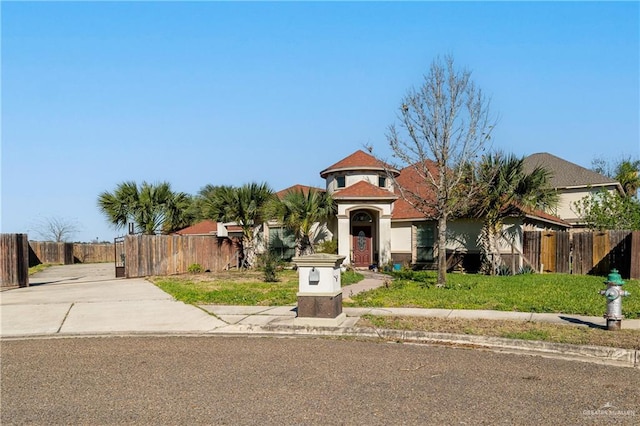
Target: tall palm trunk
248,247
491,260
249,252
304,246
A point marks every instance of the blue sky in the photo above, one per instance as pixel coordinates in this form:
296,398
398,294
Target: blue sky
96,93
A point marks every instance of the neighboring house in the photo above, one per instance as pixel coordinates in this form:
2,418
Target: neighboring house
224,232
572,182
214,229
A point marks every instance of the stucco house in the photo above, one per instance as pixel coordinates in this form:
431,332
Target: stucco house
572,182
375,226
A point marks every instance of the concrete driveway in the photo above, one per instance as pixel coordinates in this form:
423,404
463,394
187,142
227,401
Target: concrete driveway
88,299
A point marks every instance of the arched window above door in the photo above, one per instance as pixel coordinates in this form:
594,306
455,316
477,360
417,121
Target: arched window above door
362,217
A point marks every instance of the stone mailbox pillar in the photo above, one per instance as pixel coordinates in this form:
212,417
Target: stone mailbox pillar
319,295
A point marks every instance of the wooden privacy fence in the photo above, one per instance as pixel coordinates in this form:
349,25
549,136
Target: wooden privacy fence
147,255
50,252
14,260
69,253
548,251
93,253
594,253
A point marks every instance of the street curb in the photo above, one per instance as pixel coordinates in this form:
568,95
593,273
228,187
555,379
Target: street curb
618,357
595,354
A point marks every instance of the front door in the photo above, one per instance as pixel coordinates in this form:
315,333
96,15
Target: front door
361,246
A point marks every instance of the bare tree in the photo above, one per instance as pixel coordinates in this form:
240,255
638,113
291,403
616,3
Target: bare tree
56,229
444,125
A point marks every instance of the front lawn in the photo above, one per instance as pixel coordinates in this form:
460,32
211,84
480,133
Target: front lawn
555,293
238,287
562,293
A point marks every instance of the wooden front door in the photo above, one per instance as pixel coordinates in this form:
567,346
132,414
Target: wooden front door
361,246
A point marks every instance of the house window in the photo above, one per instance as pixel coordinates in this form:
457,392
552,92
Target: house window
362,217
424,242
340,181
282,243
382,181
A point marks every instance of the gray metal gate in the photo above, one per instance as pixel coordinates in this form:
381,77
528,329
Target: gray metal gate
118,244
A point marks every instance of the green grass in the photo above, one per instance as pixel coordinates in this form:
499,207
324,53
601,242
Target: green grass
523,330
39,268
350,277
238,288
558,293
230,292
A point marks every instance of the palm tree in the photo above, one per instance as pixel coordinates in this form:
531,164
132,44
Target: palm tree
245,206
507,190
627,173
152,208
300,213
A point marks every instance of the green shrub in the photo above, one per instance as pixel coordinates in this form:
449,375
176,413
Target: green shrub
195,268
526,269
269,265
427,277
503,270
330,246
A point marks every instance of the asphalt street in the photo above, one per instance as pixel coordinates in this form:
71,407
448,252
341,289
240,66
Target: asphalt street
269,380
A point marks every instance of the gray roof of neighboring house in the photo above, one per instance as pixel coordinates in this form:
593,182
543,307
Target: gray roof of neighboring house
566,174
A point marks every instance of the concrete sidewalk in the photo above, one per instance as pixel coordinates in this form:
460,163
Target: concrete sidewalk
77,302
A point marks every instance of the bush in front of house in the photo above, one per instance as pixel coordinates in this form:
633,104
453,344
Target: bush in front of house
195,268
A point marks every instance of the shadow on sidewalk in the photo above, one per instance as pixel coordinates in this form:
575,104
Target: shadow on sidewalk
577,321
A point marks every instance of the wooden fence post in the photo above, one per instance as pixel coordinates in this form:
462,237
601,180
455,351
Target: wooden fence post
14,258
563,252
634,272
531,249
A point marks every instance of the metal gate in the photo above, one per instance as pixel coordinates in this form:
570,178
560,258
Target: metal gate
118,244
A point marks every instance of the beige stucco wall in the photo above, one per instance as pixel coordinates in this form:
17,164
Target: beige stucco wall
401,237
462,235
511,234
568,197
320,232
355,177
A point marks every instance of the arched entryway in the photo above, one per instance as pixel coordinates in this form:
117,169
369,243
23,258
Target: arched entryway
362,238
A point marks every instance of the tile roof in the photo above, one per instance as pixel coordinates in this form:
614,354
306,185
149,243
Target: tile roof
412,181
545,217
207,227
565,173
201,228
359,160
233,228
297,187
364,190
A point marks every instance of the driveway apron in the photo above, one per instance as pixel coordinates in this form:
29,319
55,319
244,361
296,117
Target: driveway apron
88,299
